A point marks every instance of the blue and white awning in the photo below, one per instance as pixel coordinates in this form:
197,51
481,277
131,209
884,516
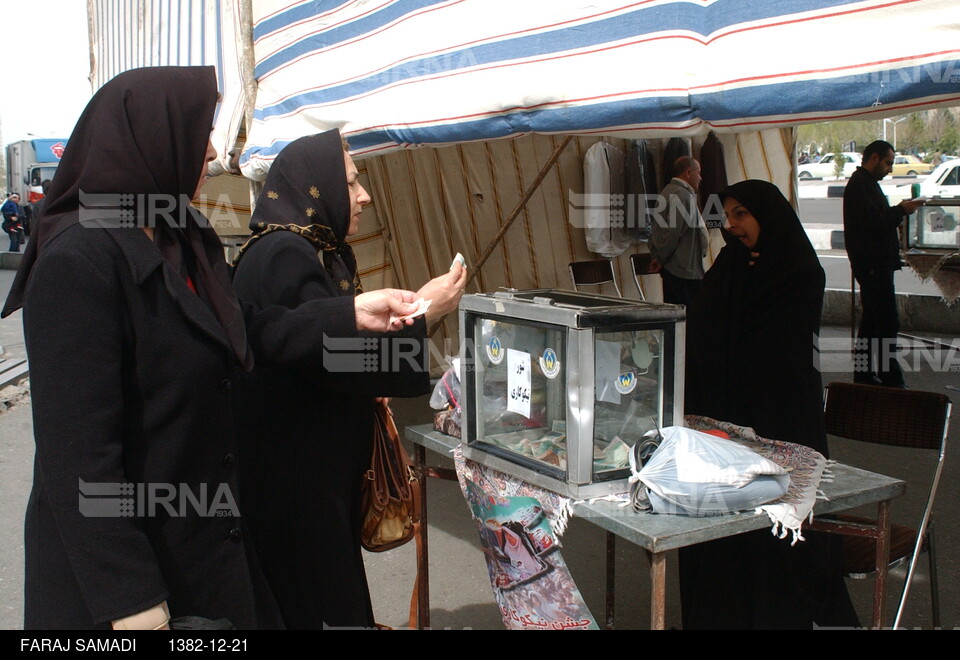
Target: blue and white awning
401,73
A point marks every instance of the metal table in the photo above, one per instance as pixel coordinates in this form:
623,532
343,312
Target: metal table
658,534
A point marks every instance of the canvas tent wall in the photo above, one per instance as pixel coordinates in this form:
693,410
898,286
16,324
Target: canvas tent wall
490,84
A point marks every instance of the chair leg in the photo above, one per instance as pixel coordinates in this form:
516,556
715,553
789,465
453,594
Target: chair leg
934,586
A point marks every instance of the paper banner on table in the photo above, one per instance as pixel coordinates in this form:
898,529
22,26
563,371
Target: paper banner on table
531,582
518,382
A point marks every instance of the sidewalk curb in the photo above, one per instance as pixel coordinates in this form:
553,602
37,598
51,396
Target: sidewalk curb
10,260
917,312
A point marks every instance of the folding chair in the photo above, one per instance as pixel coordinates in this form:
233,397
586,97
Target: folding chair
641,266
900,418
593,273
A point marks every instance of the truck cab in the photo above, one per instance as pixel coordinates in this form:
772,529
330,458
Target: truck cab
29,164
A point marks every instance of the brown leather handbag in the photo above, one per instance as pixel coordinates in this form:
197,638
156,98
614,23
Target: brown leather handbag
391,489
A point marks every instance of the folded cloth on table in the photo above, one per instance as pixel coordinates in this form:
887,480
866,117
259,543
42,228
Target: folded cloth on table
805,465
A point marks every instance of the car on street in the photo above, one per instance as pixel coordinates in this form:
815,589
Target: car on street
824,169
943,181
909,165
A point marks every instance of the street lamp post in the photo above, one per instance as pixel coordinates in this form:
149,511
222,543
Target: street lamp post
894,122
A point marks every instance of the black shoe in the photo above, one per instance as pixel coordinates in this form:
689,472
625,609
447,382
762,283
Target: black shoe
867,379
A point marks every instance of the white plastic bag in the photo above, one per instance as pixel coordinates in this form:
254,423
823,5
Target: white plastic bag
698,474
446,393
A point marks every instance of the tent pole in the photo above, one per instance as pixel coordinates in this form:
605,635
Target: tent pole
513,216
519,207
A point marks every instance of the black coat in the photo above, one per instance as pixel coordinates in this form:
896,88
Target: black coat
307,411
870,225
308,429
133,381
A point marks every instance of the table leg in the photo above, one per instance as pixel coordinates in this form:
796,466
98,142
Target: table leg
611,579
658,590
883,561
423,564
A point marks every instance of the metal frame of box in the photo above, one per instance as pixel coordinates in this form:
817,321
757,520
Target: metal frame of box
580,323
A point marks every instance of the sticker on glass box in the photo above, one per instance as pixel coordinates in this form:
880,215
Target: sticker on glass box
549,364
519,387
626,383
495,351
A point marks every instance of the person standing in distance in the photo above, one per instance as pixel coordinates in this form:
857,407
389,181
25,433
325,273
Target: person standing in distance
873,246
12,213
679,238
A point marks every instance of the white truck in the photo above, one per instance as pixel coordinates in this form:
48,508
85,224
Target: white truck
29,164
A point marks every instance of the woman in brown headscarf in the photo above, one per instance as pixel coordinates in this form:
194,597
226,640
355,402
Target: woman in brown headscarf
309,427
135,339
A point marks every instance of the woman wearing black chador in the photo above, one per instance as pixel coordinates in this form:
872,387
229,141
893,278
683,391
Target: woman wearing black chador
750,361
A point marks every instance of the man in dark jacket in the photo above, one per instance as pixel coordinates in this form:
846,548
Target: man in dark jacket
873,247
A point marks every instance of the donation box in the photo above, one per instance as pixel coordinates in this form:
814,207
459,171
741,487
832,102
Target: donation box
559,385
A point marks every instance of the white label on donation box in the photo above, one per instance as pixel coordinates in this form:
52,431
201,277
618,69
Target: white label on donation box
518,382
937,222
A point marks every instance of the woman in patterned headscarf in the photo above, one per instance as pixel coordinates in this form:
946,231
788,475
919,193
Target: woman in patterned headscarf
306,425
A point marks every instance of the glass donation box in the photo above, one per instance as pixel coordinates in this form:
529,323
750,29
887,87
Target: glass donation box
559,385
935,225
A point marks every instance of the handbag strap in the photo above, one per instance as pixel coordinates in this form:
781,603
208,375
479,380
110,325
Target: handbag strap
406,465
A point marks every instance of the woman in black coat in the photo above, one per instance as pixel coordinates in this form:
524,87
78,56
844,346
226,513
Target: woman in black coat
750,360
135,340
306,425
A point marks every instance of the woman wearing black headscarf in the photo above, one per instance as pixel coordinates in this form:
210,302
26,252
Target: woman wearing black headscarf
307,428
751,360
135,338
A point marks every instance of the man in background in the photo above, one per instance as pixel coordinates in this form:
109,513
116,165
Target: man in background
679,237
873,247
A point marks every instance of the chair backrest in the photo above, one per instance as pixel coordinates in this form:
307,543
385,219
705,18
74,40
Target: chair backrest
594,273
641,266
896,417
887,415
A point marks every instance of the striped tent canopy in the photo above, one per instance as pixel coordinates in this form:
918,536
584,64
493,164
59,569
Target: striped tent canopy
393,74
464,75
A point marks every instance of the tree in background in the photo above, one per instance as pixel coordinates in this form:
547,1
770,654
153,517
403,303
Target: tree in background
839,160
926,133
944,131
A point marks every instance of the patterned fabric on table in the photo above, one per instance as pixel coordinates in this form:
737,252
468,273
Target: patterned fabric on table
806,466
520,527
